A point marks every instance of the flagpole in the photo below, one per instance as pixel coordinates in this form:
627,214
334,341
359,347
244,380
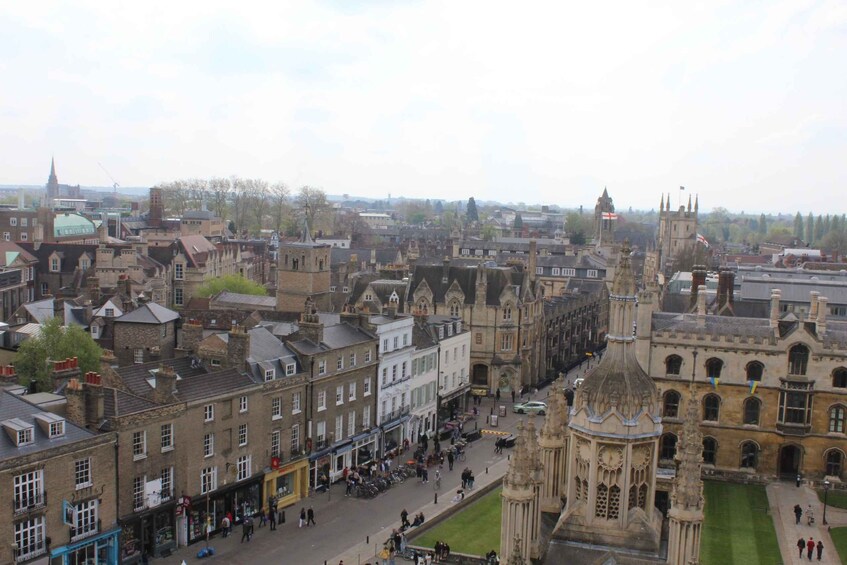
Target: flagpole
681,188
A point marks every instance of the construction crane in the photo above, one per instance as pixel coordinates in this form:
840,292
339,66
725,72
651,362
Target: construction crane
115,184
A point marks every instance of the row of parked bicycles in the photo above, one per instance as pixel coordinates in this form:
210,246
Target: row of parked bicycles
372,486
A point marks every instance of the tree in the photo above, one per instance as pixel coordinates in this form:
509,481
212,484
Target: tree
798,226
578,228
55,342
810,228
314,204
518,225
835,241
280,205
763,224
232,283
819,229
472,214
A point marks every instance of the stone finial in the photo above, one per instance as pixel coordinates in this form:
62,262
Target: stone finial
687,491
515,558
519,472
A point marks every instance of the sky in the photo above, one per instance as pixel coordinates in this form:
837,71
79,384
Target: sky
743,103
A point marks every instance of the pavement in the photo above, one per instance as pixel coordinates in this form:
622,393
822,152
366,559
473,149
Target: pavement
782,497
351,529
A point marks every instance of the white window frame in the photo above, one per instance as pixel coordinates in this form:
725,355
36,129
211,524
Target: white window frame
167,437
244,466
555,271
339,427
33,532
592,274
568,272
167,478
82,473
290,369
295,403
208,479
242,435
208,444
138,492
368,356
351,391
353,359
29,489
351,423
339,363
322,367
276,408
85,519
339,395
139,445
179,271
321,400
366,387
138,355
209,413
276,443
366,416
242,404
269,374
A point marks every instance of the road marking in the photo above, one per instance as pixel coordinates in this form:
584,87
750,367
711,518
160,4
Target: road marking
495,432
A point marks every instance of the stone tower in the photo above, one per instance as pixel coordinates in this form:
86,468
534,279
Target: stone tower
536,480
614,436
677,232
157,207
519,502
553,442
686,512
604,222
303,272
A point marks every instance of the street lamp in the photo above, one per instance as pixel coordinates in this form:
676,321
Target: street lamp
825,493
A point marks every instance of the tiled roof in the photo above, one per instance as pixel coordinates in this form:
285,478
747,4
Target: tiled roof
150,313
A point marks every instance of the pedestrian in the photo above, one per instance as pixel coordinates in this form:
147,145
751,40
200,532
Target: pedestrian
798,483
810,548
384,554
797,513
820,549
445,550
272,517
246,529
311,517
470,480
262,518
810,515
225,526
302,517
497,394
513,396
425,475
801,545
450,459
404,519
349,487
231,522
437,548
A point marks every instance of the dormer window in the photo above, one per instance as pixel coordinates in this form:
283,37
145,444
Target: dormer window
290,369
54,264
51,424
269,374
110,312
24,437
179,271
19,431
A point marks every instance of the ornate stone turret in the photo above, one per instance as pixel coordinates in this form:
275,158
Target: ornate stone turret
536,479
612,452
686,512
518,501
553,446
516,558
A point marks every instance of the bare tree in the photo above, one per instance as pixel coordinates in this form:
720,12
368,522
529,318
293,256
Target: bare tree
218,191
257,198
280,206
314,204
177,196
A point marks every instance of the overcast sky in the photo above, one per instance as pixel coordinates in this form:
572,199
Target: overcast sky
743,103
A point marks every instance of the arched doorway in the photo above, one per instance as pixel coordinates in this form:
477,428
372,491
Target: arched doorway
789,461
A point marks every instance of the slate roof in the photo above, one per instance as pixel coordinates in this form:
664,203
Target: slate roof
71,254
833,286
498,279
10,252
40,310
384,256
228,299
13,406
150,313
337,336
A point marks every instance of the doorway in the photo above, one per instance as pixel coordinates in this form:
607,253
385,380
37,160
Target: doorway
789,461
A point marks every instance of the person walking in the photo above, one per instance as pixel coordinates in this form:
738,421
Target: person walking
450,459
246,529
497,394
798,512
302,517
404,519
513,396
820,549
272,517
311,517
801,545
225,526
810,548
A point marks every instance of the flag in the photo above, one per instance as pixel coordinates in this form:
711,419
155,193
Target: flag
714,381
753,385
703,240
609,216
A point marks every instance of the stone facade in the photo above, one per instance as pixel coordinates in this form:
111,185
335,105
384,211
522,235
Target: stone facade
303,271
141,343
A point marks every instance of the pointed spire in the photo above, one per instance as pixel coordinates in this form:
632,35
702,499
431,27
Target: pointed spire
554,423
518,474
662,203
689,202
306,237
605,192
687,491
53,169
668,202
533,449
696,203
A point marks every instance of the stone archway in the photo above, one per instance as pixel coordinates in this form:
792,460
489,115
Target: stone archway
788,465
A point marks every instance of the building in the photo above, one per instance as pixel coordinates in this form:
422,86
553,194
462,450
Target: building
575,324
677,233
303,272
502,308
341,400
55,190
147,333
40,453
605,219
17,278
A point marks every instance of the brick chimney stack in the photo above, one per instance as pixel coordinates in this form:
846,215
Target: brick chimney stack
237,347
821,319
165,385
94,407
698,279
192,335
774,317
75,407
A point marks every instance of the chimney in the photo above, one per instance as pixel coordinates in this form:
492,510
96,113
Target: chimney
165,385
445,270
774,319
533,259
698,279
75,403
93,285
821,320
237,347
481,285
701,305
94,409
8,375
349,315
726,288
813,305
192,335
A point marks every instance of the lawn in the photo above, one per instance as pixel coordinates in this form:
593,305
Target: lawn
738,527
839,538
474,530
835,498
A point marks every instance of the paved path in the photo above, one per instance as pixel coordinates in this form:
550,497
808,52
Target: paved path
782,497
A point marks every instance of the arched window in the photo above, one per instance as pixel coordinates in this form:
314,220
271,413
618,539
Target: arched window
455,309
839,377
668,447
834,463
798,358
752,407
713,368
423,306
836,419
711,407
670,406
749,455
673,365
710,450
754,371
507,313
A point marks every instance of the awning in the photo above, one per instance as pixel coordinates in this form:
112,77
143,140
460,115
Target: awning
454,394
344,449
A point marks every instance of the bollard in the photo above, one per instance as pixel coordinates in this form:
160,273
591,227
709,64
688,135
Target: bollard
486,470
436,498
367,540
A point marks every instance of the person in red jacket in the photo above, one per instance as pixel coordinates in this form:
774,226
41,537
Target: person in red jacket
810,548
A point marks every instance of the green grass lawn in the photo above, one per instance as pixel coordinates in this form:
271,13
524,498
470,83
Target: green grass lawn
839,538
738,528
836,498
474,530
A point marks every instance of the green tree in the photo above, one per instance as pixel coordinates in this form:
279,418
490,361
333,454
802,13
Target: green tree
763,224
810,228
518,225
472,214
798,226
578,228
819,229
232,283
835,241
55,342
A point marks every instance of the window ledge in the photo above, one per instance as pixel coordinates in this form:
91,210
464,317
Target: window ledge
167,449
139,457
275,418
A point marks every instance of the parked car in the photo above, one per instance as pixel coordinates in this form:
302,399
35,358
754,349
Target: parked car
509,440
531,407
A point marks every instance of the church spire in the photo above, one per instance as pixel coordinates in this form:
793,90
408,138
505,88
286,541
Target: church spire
306,237
52,178
696,203
520,465
689,202
662,203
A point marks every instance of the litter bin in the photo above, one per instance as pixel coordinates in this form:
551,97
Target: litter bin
493,420
502,411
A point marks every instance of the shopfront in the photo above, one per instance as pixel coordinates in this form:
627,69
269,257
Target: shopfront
392,435
101,549
286,485
364,448
153,533
240,500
